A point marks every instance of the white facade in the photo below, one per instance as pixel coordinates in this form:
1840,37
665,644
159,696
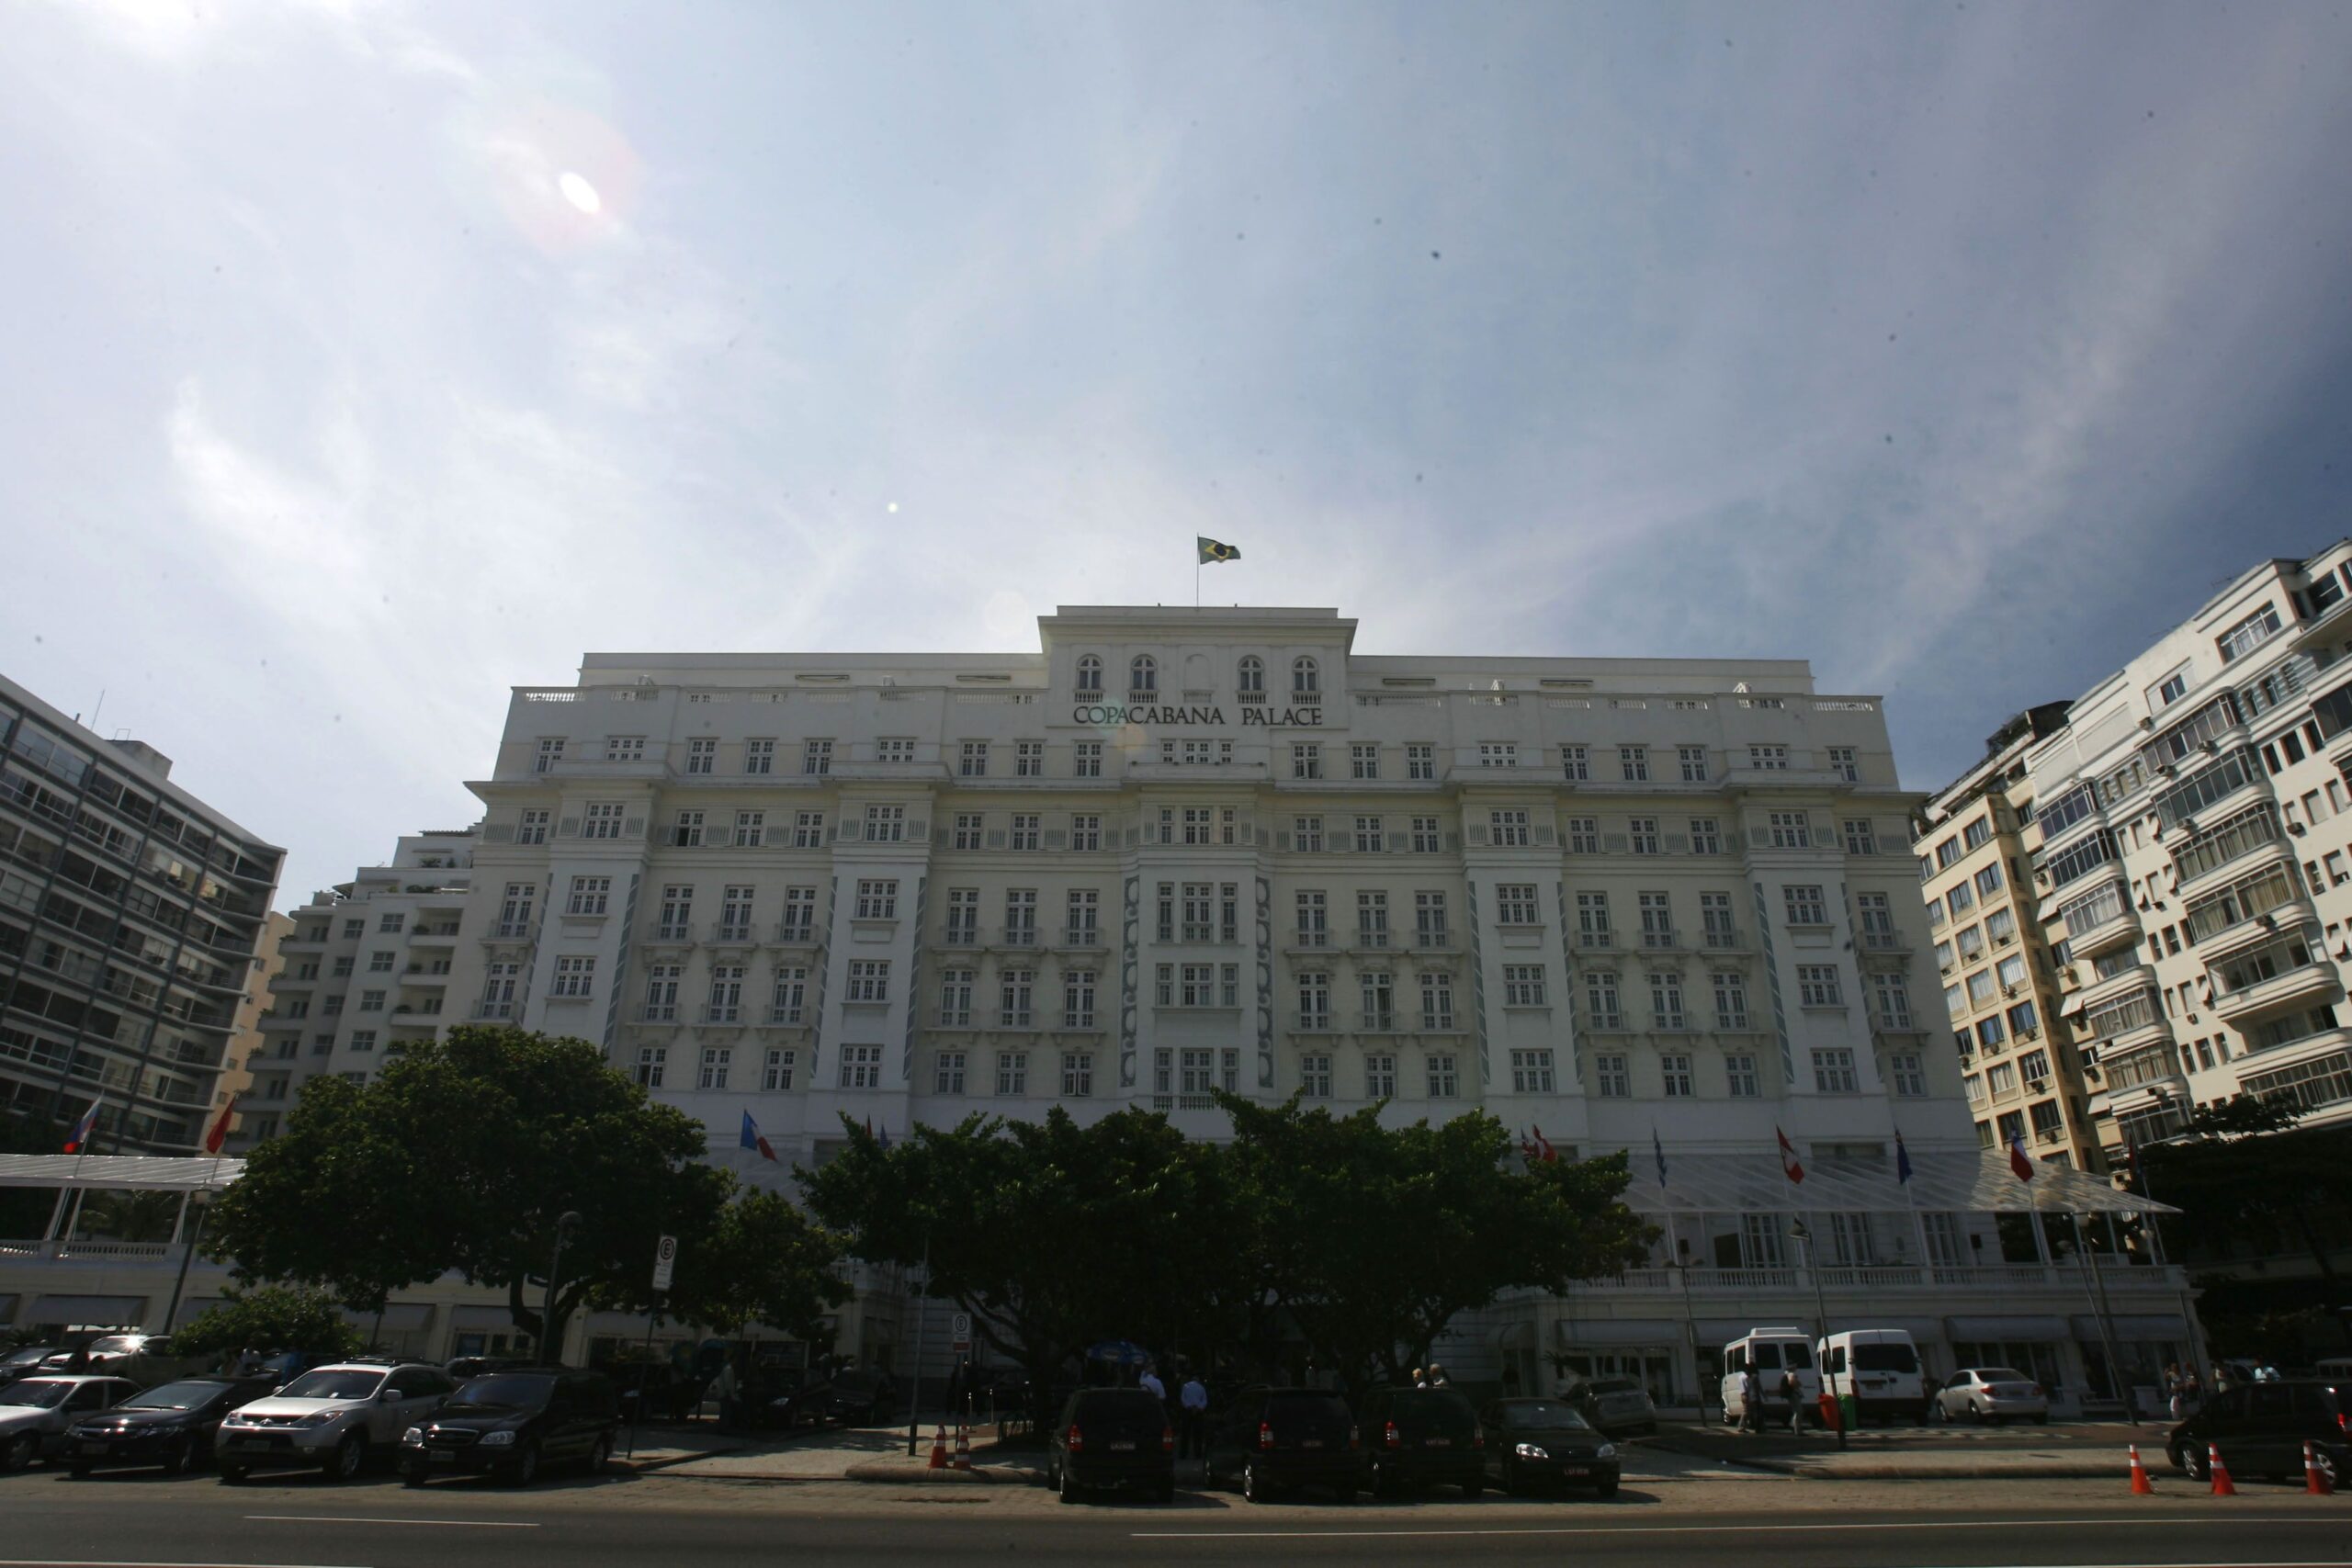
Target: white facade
2197,857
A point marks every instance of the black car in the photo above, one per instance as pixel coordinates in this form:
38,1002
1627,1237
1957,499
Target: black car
1112,1439
1423,1437
667,1393
1547,1443
2261,1428
1275,1438
29,1362
172,1426
862,1396
513,1424
465,1368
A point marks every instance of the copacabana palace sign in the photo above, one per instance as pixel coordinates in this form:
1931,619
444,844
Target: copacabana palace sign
1251,717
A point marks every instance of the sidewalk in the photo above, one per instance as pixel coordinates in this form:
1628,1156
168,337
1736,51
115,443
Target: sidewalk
2079,1452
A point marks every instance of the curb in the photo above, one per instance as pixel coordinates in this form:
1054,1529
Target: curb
2050,1469
904,1473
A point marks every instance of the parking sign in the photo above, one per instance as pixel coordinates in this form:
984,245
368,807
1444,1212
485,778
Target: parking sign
665,1259
959,1332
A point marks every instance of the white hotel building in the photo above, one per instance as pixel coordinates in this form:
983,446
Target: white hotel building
1183,849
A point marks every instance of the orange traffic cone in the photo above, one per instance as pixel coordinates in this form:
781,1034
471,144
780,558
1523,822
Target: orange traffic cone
2223,1485
2315,1480
963,1447
2139,1487
938,1447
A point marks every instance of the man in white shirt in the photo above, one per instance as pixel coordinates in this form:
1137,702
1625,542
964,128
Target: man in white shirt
1150,1379
1192,1434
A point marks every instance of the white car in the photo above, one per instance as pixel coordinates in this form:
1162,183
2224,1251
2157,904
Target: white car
1991,1394
331,1418
34,1413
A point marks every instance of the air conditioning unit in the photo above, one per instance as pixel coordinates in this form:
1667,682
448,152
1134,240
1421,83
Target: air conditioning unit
2008,990
2296,829
2029,1034
2035,1085
2147,724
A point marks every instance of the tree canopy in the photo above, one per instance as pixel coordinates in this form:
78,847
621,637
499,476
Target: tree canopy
462,1154
270,1317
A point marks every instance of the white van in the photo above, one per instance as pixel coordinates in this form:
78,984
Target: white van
1880,1367
1771,1351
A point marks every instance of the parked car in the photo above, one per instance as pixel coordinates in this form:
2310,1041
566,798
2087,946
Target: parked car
1991,1394
669,1394
467,1368
331,1418
1112,1439
28,1362
1272,1440
1546,1443
1618,1406
1879,1368
513,1423
34,1413
2261,1429
1423,1437
144,1358
172,1426
860,1397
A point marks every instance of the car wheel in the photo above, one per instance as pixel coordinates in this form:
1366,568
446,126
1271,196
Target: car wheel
1470,1490
1976,1416
181,1460
1383,1483
18,1454
232,1474
349,1455
600,1454
1067,1490
2327,1466
525,1466
80,1472
1605,1490
1253,1489
2193,1464
414,1475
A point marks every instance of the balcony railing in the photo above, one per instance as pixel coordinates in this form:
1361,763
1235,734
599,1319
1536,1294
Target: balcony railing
720,1012
658,1013
739,932
785,1018
1077,936
1020,936
796,935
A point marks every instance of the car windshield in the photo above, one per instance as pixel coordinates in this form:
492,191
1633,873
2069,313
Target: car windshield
334,1385
529,1388
1544,1413
172,1396
1614,1385
2000,1374
1886,1357
46,1393
27,1357
117,1344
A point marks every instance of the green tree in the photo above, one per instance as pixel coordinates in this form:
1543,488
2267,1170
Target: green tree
462,1154
25,1211
272,1317
764,1260
132,1216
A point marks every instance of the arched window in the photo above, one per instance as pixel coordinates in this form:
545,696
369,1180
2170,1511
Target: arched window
1253,674
1089,676
1305,682
1143,675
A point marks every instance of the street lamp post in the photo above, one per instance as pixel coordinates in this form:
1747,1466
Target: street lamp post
1821,1309
564,1227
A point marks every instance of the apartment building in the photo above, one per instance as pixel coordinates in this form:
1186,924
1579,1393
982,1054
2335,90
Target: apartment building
2196,864
2022,1077
247,1044
130,915
364,972
1177,850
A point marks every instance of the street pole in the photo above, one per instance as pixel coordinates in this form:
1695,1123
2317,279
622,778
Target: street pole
179,1285
644,1372
564,1227
1821,1309
1690,1325
914,1373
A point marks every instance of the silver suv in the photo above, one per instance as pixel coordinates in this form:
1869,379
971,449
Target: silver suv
332,1418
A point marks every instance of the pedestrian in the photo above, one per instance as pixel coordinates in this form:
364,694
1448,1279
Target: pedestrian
1150,1379
1421,1378
731,1396
1793,1394
1437,1378
1751,1411
1193,1430
2172,1389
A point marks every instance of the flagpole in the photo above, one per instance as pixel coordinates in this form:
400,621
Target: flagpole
81,1153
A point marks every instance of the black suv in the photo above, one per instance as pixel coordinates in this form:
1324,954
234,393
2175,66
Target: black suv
2261,1427
1112,1439
1275,1439
172,1426
1423,1437
514,1422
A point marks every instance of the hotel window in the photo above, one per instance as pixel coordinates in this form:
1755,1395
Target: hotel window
1706,836
734,914
1090,680
775,1074
1694,760
1314,1000
789,997
1674,1068
1731,999
702,755
1027,829
1817,985
364,1040
1444,1076
588,895
1833,1071
1805,905
1249,677
381,963
1437,1000
1592,920
1309,833
550,753
895,748
1860,839
1909,1071
715,1061
967,835
861,1067
808,829
1509,828
534,828
574,977
686,832
1769,759
955,998
342,965
1515,904
963,917
1305,681
1028,759
1657,919
651,1060
1378,990
1306,761
1015,990
1367,835
1642,834
1665,1000
1078,998
625,747
1877,920
1790,831
886,824
1614,1078
1420,761
799,915
1021,916
1428,920
1576,764
603,820
1633,763
1523,985
758,756
677,910
1497,753
1315,1075
1380,1075
947,1073
1363,762
877,899
1739,1073
1080,917
869,980
816,757
1584,835
1143,675
1894,999
1425,835
1078,1073
1314,928
1715,919
1086,832
1088,763
1841,762
1601,999
751,829
972,760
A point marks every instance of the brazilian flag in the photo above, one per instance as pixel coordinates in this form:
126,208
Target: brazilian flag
1211,552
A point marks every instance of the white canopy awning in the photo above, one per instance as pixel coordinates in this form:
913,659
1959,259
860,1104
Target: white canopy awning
1966,1181
121,1173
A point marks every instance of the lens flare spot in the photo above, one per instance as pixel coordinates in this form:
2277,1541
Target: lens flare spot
579,192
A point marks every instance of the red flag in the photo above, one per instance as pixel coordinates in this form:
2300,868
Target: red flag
1789,1165
2018,1160
1547,1154
220,1133
80,1136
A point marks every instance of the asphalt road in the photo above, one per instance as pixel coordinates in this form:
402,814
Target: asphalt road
123,1521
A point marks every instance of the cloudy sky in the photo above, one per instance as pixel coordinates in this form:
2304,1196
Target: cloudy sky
361,360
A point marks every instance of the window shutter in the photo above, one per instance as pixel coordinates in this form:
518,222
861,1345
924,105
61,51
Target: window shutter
1264,838
1282,840
633,828
1677,844
996,838
1543,834
916,829
1615,843
498,832
1133,838
1477,834
1397,844
1057,839
1758,838
939,838
718,838
568,828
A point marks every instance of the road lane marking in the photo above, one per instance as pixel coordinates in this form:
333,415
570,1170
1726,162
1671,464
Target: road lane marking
146,1563
1773,1526
354,1519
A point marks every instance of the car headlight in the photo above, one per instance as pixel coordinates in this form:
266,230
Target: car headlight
1528,1451
1606,1450
498,1440
413,1436
320,1419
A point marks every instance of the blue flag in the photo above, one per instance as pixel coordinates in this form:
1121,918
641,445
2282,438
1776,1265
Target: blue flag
1659,1150
753,1139
1902,1160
